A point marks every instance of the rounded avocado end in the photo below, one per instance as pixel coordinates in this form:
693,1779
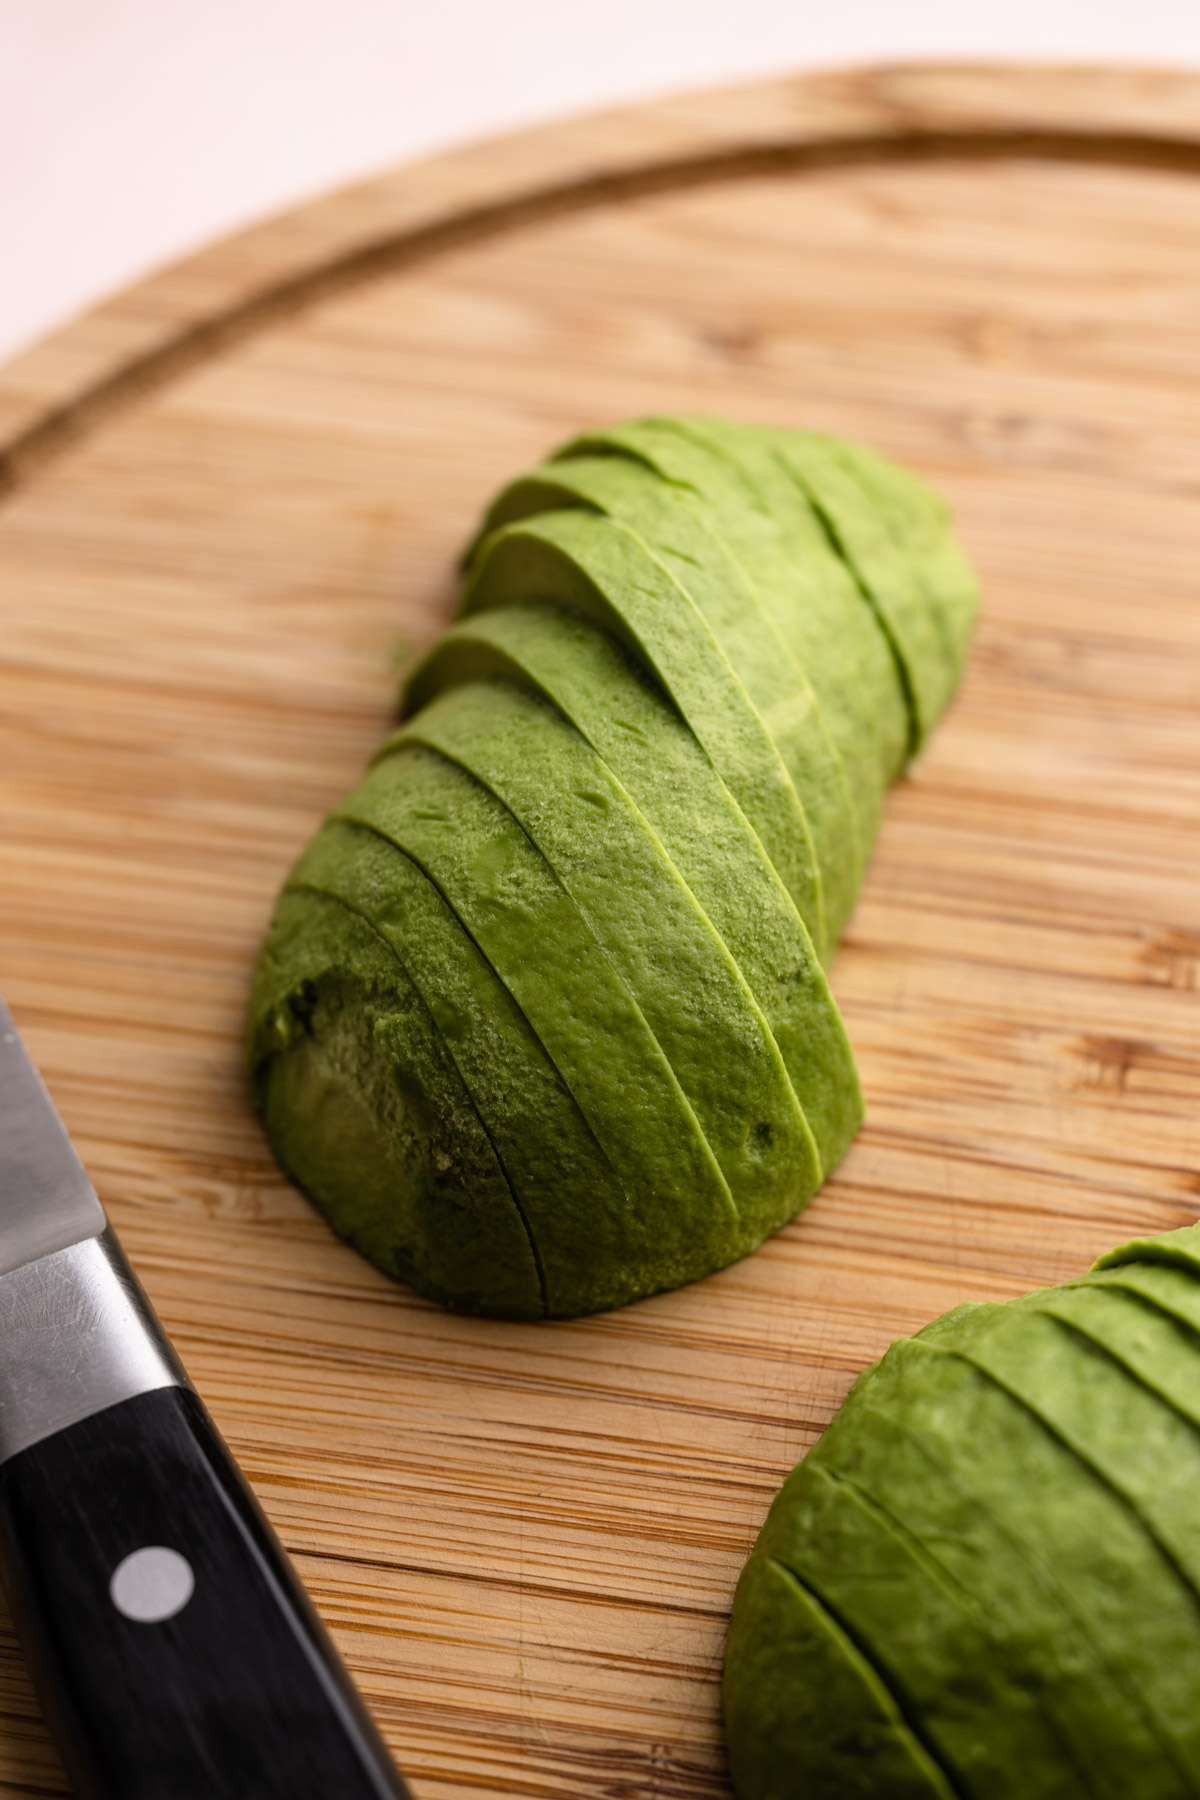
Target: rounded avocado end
382,1155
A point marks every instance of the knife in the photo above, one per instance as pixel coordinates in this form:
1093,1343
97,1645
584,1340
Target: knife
174,1651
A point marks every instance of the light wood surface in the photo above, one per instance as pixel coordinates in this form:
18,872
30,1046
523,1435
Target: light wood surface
233,501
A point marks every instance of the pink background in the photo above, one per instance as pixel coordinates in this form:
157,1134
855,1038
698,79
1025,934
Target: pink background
132,130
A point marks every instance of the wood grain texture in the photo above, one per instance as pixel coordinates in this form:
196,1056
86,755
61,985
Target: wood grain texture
234,500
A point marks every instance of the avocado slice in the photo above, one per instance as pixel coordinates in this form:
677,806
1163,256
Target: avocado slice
805,1711
884,1442
1172,1250
652,753
887,574
853,527
563,1184
542,949
1166,1289
1142,1617
365,1110
928,1639
1127,1313
1164,1272
679,972
1090,1364
919,522
596,567
1121,1379
671,522
822,610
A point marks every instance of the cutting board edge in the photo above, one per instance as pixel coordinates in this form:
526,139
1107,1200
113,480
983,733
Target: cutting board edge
114,354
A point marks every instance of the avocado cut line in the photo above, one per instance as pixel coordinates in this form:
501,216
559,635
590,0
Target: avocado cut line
1164,1288
317,952
1005,1515
652,1125
922,1667
819,602
1156,1397
911,1725
552,1158
746,461
1059,1429
918,522
1105,1484
688,987
736,601
780,1639
890,609
591,564
632,727
528,1076
962,1512
826,515
1107,1541
337,900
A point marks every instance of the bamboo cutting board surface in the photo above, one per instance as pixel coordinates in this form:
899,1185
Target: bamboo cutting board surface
232,503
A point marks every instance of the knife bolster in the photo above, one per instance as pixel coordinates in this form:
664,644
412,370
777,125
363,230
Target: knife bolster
79,1335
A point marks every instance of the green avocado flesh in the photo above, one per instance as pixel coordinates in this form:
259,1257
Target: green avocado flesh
542,1022
686,457
762,657
510,901
776,1718
561,1179
1003,1522
599,568
365,1107
895,572
677,969
658,762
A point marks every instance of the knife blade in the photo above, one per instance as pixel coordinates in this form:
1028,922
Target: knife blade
47,1202
174,1650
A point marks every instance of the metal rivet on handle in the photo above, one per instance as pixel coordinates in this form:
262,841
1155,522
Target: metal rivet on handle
152,1584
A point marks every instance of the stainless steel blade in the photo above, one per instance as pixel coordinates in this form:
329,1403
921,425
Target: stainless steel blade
46,1200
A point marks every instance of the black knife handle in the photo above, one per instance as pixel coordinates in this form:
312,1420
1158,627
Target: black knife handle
238,1694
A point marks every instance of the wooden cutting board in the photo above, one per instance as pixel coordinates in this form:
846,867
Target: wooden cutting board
233,499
